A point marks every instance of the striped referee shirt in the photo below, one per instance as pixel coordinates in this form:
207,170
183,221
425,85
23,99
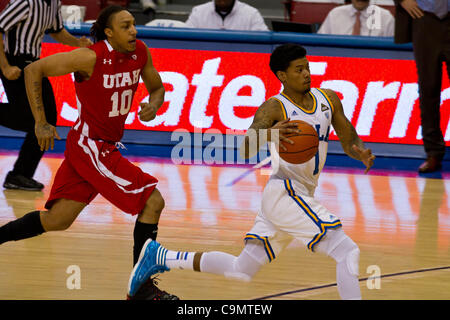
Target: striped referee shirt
25,22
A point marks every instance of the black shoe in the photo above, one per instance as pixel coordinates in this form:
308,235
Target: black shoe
149,291
432,164
19,182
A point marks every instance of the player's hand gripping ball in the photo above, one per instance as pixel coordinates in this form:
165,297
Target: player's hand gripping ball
306,144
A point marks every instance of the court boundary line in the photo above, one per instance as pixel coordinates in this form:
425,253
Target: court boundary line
330,285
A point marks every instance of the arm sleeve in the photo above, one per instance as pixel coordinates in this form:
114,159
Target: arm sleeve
15,11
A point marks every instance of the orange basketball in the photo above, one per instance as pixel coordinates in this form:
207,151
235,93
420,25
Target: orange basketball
306,144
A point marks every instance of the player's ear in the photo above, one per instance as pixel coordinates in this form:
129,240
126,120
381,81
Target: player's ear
109,32
281,75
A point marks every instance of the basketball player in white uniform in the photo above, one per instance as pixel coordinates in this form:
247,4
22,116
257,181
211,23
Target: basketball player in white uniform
289,210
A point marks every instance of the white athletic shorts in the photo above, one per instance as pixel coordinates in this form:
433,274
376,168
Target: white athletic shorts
286,215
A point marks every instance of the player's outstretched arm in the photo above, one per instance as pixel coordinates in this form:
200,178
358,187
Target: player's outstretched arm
155,88
350,141
270,119
80,60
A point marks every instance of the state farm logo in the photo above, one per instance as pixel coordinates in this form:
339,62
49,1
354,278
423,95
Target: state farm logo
205,82
222,90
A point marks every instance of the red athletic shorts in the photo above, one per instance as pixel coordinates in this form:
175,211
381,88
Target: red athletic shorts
91,167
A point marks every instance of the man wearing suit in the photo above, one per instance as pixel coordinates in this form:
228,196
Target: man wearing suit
427,24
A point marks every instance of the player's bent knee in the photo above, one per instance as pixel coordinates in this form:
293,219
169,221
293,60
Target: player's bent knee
347,252
156,201
352,260
153,208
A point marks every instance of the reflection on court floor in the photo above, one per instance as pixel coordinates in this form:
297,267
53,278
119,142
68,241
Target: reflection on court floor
400,223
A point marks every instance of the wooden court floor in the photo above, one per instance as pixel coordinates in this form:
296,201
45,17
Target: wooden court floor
400,222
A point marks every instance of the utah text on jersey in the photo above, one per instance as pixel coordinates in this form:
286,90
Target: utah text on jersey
121,79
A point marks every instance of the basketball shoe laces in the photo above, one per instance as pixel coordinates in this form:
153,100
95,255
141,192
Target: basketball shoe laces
149,291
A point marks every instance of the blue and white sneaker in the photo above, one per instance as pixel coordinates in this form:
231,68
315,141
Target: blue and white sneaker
150,262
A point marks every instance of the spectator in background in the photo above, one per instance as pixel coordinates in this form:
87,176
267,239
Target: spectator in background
226,14
148,6
427,25
359,18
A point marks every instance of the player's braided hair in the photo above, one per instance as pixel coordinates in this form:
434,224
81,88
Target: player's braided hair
103,22
282,56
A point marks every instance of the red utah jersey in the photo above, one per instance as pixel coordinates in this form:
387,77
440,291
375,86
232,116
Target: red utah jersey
104,100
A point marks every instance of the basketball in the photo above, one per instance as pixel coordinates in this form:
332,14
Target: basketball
305,144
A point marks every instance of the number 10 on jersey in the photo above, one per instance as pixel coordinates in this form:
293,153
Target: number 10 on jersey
126,99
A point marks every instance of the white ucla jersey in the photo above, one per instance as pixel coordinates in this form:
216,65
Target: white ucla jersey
305,176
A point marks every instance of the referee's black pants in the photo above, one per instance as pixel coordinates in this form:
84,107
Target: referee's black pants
17,115
431,44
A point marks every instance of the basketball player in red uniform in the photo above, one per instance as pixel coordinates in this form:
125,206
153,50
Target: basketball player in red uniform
106,78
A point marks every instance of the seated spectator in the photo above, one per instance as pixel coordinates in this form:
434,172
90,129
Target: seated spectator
226,14
148,6
359,18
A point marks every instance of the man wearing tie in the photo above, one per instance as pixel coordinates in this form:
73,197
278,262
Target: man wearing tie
427,24
359,18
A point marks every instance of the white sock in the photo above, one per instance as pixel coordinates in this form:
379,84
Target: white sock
179,260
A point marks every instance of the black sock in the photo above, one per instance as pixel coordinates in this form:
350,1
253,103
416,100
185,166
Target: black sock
142,232
26,227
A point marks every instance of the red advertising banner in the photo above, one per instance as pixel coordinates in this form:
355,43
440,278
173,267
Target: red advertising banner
222,90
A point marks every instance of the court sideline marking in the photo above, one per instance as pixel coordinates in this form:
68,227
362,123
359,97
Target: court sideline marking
362,279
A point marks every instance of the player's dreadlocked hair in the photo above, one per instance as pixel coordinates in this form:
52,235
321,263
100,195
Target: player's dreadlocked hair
103,22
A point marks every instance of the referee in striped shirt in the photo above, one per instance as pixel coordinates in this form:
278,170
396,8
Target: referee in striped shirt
23,24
